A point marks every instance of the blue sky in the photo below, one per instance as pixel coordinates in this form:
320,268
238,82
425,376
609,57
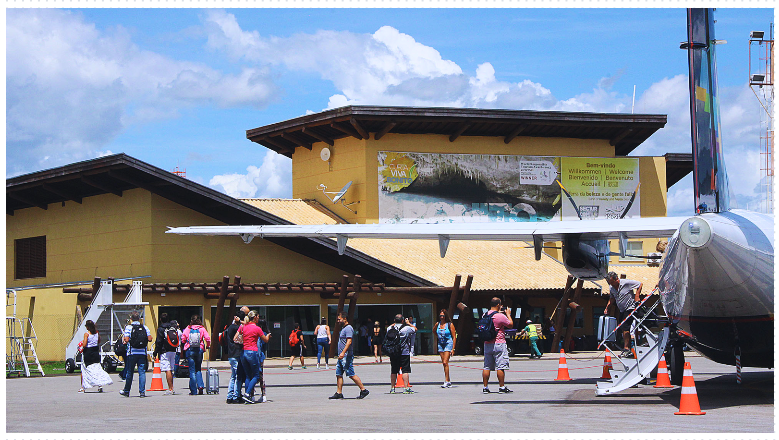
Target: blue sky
179,87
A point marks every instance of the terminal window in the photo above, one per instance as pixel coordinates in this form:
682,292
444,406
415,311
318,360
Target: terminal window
633,248
30,257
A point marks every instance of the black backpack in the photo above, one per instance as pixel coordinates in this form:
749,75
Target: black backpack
392,341
120,348
172,338
485,329
138,337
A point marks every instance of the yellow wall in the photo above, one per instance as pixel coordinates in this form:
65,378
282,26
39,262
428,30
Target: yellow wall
104,236
356,160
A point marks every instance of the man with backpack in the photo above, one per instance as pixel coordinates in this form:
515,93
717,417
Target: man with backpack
397,344
492,330
137,336
165,347
298,345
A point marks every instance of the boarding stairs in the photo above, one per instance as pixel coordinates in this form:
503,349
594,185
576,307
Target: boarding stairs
109,317
20,355
647,348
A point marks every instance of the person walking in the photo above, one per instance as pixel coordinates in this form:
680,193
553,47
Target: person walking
531,331
250,333
234,355
298,345
196,341
92,374
400,359
165,347
137,336
179,349
496,355
447,338
323,340
376,340
345,363
621,293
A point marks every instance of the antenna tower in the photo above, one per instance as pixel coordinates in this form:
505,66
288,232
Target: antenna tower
761,81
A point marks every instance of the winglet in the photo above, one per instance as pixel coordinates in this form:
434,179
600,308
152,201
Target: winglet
538,245
443,244
341,239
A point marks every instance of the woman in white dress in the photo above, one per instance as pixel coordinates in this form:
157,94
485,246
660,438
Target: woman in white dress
92,373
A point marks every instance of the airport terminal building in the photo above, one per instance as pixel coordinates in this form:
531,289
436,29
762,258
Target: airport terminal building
107,217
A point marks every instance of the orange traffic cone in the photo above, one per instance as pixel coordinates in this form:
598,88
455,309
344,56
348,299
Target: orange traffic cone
663,380
688,405
606,368
156,377
400,384
562,368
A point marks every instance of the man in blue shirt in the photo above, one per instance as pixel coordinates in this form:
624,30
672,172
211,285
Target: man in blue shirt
137,336
345,363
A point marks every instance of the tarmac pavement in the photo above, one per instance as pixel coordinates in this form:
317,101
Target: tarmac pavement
538,404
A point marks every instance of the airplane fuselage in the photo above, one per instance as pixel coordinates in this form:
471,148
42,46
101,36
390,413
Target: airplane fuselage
717,285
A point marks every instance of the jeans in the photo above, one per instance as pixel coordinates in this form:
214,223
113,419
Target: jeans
322,346
236,378
251,366
176,365
129,366
123,373
195,361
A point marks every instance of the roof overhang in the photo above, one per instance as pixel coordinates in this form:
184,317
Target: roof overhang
677,166
624,131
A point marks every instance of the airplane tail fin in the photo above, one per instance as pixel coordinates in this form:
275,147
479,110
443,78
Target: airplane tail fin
710,181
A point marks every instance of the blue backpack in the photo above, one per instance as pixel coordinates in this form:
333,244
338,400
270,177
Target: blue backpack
485,329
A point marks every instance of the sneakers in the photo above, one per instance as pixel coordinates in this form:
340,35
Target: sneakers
317,367
304,367
337,396
327,367
172,391
363,393
142,395
504,390
99,389
446,385
392,390
200,391
167,393
124,393
289,368
408,391
263,399
485,390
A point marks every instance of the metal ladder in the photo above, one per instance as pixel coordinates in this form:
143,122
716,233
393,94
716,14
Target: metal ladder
22,340
647,352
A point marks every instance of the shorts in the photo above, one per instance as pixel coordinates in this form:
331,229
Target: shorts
167,361
345,366
622,315
400,361
445,344
297,349
496,356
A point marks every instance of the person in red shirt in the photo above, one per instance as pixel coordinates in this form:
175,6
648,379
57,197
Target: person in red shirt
496,355
250,359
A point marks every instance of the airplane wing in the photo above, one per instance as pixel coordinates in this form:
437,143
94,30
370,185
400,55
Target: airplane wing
538,232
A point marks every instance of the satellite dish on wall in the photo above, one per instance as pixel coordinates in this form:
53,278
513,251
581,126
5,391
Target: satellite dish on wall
325,155
339,195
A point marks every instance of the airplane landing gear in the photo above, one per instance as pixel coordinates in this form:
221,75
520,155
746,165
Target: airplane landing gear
675,357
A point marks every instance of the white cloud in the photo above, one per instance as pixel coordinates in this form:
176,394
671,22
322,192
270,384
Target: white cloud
72,88
271,179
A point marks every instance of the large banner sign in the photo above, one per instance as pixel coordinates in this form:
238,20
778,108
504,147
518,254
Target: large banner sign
447,188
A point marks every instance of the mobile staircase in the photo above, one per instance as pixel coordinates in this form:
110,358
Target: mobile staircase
110,319
646,351
20,353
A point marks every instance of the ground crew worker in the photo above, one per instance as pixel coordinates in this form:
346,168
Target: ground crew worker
531,331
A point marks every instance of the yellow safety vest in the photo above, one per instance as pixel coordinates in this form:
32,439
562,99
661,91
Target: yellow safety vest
531,331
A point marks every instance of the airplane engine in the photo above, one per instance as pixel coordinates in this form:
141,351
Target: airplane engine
586,259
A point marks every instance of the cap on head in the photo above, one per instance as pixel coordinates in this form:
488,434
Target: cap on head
529,321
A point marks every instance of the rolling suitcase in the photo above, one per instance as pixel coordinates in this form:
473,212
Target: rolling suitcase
606,326
212,379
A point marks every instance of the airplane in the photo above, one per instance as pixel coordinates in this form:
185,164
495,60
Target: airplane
716,279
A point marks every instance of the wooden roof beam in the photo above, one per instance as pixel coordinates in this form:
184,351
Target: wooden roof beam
22,199
360,129
459,131
61,193
296,140
309,131
100,186
514,133
621,135
279,145
347,130
384,130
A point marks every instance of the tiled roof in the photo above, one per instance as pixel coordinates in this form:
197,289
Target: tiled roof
495,265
